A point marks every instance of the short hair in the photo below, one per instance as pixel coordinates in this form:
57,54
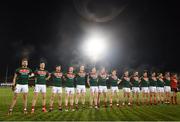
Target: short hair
24,59
57,65
42,62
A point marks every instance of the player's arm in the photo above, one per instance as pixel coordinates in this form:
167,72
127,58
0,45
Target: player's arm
140,79
107,77
119,81
14,81
31,74
88,80
48,76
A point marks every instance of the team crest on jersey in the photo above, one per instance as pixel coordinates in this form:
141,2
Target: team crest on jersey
24,71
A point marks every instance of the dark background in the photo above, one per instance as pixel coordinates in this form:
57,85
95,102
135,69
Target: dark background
145,34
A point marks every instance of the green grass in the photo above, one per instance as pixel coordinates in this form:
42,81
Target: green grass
156,113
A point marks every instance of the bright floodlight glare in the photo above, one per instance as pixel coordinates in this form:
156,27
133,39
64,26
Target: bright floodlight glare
95,47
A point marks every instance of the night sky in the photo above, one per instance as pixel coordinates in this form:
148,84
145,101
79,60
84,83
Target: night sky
144,35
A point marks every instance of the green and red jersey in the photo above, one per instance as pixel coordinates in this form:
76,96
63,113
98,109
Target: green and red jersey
40,76
135,81
81,78
152,82
69,79
23,75
167,81
102,79
144,83
113,81
93,79
160,83
57,78
125,82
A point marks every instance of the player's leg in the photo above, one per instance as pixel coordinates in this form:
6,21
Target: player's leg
168,97
52,101
66,100
162,96
155,98
83,98
105,98
175,97
25,102
138,99
60,101
92,98
133,93
143,97
129,98
159,97
96,99
72,100
111,97
151,95
124,95
117,97
147,95
34,101
99,98
44,102
13,103
77,97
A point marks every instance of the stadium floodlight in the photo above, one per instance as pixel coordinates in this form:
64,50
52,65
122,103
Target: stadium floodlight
95,47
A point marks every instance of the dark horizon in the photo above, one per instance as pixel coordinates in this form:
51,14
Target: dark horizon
144,35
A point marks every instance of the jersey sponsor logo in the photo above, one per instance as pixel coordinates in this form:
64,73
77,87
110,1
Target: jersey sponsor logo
24,71
71,76
58,75
114,77
127,78
42,73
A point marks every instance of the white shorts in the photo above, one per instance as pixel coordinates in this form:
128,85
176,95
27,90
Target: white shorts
102,89
153,89
136,89
167,89
80,89
69,90
56,89
114,89
21,88
145,89
40,88
160,89
94,89
127,90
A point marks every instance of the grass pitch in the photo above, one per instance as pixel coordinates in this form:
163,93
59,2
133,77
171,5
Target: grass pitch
160,112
